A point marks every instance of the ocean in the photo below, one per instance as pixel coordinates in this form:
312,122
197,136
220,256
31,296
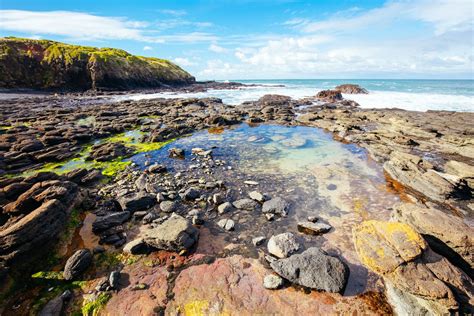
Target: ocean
417,95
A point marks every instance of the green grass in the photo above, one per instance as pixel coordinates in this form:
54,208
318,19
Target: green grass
92,308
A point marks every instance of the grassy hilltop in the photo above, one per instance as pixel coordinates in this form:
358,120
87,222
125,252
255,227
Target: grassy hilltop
45,64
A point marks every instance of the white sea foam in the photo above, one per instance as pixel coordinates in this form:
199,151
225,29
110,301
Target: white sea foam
375,99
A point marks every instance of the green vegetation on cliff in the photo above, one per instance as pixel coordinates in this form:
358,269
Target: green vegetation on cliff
44,64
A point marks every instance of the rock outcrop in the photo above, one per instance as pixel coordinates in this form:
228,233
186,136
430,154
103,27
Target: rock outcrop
419,280
442,231
351,89
43,64
314,269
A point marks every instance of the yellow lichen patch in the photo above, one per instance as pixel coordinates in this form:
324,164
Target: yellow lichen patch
196,308
359,207
406,241
374,251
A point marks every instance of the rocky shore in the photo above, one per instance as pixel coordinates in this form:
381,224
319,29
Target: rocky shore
91,222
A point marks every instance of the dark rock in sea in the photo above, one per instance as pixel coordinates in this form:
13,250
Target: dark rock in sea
351,89
77,264
314,269
329,95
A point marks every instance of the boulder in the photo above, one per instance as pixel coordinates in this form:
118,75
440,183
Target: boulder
136,201
77,264
314,269
276,206
283,245
413,271
174,234
442,231
56,305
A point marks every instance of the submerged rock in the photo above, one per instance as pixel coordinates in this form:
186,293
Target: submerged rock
174,234
283,245
245,204
312,228
77,264
314,269
276,206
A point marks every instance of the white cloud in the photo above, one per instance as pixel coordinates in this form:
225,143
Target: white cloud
185,62
173,12
75,25
444,15
85,26
217,49
175,23
147,48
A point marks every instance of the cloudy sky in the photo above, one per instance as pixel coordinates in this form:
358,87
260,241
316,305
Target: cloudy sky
240,39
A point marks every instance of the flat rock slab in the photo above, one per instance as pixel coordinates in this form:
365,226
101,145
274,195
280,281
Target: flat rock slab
311,228
137,201
314,269
383,246
174,234
276,206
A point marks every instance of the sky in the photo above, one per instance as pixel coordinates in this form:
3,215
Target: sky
266,39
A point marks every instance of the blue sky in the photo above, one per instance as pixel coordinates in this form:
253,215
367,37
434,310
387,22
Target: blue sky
250,39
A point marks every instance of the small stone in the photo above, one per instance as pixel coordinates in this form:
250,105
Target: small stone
190,194
282,245
225,208
257,196
273,282
139,287
257,241
276,206
218,198
114,279
176,153
270,217
250,182
226,224
313,228
160,197
168,206
312,219
156,168
245,204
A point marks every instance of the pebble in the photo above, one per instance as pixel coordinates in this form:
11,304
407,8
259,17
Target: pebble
273,282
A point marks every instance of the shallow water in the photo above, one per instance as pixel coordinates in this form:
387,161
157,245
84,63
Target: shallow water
318,176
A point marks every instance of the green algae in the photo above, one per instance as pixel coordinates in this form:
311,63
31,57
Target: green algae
93,307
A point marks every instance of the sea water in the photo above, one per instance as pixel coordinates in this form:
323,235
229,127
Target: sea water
415,95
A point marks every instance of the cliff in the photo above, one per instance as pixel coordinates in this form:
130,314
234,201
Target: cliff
44,64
